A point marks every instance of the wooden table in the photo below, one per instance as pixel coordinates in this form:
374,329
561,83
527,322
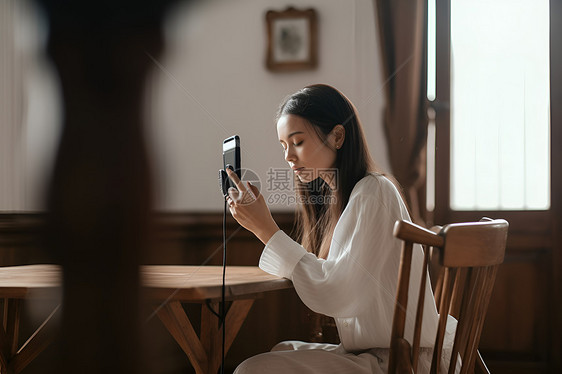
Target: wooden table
167,287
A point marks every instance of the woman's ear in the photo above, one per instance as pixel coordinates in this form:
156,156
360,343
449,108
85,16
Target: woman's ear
339,135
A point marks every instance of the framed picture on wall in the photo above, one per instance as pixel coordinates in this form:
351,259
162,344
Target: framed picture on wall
292,39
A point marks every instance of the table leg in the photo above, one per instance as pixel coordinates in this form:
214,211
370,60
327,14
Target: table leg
12,359
4,350
11,321
204,352
211,333
177,323
9,332
41,339
235,318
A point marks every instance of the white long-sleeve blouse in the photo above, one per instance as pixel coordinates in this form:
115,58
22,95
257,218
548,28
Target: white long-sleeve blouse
356,284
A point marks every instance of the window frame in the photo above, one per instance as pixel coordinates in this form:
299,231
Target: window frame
537,221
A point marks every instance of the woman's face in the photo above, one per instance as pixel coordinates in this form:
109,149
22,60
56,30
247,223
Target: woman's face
308,156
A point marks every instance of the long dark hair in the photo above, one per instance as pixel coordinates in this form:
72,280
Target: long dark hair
319,208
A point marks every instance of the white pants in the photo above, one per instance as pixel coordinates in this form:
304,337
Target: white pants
312,358
295,357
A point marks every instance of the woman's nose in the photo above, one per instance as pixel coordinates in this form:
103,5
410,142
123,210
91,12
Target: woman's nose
290,155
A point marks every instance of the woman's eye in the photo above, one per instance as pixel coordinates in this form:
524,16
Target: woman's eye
299,143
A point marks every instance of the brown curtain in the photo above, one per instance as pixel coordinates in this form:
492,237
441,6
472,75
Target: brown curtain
402,31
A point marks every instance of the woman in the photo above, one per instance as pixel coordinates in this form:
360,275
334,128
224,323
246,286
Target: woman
346,265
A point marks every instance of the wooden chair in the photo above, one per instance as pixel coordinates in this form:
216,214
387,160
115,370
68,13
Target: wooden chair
470,254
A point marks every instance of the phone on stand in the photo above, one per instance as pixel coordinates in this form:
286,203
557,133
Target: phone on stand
231,159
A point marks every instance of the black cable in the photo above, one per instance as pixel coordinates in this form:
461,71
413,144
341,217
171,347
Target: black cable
222,318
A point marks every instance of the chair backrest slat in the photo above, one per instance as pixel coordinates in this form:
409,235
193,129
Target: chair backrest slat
438,287
463,301
460,282
401,303
470,254
419,311
474,309
444,308
489,275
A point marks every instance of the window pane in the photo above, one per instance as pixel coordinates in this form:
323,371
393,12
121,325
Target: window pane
431,25
500,129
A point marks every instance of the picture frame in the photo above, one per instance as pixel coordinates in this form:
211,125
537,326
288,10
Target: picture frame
292,39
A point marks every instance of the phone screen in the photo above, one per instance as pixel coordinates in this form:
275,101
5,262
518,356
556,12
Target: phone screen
231,154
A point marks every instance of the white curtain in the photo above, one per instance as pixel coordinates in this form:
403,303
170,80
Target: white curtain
29,107
11,110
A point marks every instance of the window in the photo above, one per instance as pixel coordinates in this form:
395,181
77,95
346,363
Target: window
499,104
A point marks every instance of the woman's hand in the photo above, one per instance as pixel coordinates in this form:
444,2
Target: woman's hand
248,207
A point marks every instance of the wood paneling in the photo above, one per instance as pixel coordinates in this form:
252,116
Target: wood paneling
516,324
20,239
183,239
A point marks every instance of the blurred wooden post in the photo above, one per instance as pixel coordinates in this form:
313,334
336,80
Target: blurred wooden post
100,194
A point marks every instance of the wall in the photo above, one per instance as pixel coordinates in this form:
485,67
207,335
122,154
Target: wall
212,83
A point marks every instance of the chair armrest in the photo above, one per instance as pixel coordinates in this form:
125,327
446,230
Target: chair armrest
436,229
411,232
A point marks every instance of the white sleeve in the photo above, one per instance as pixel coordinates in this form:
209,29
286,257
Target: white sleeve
281,254
362,264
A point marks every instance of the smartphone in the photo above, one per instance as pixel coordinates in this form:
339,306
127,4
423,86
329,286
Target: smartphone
231,157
